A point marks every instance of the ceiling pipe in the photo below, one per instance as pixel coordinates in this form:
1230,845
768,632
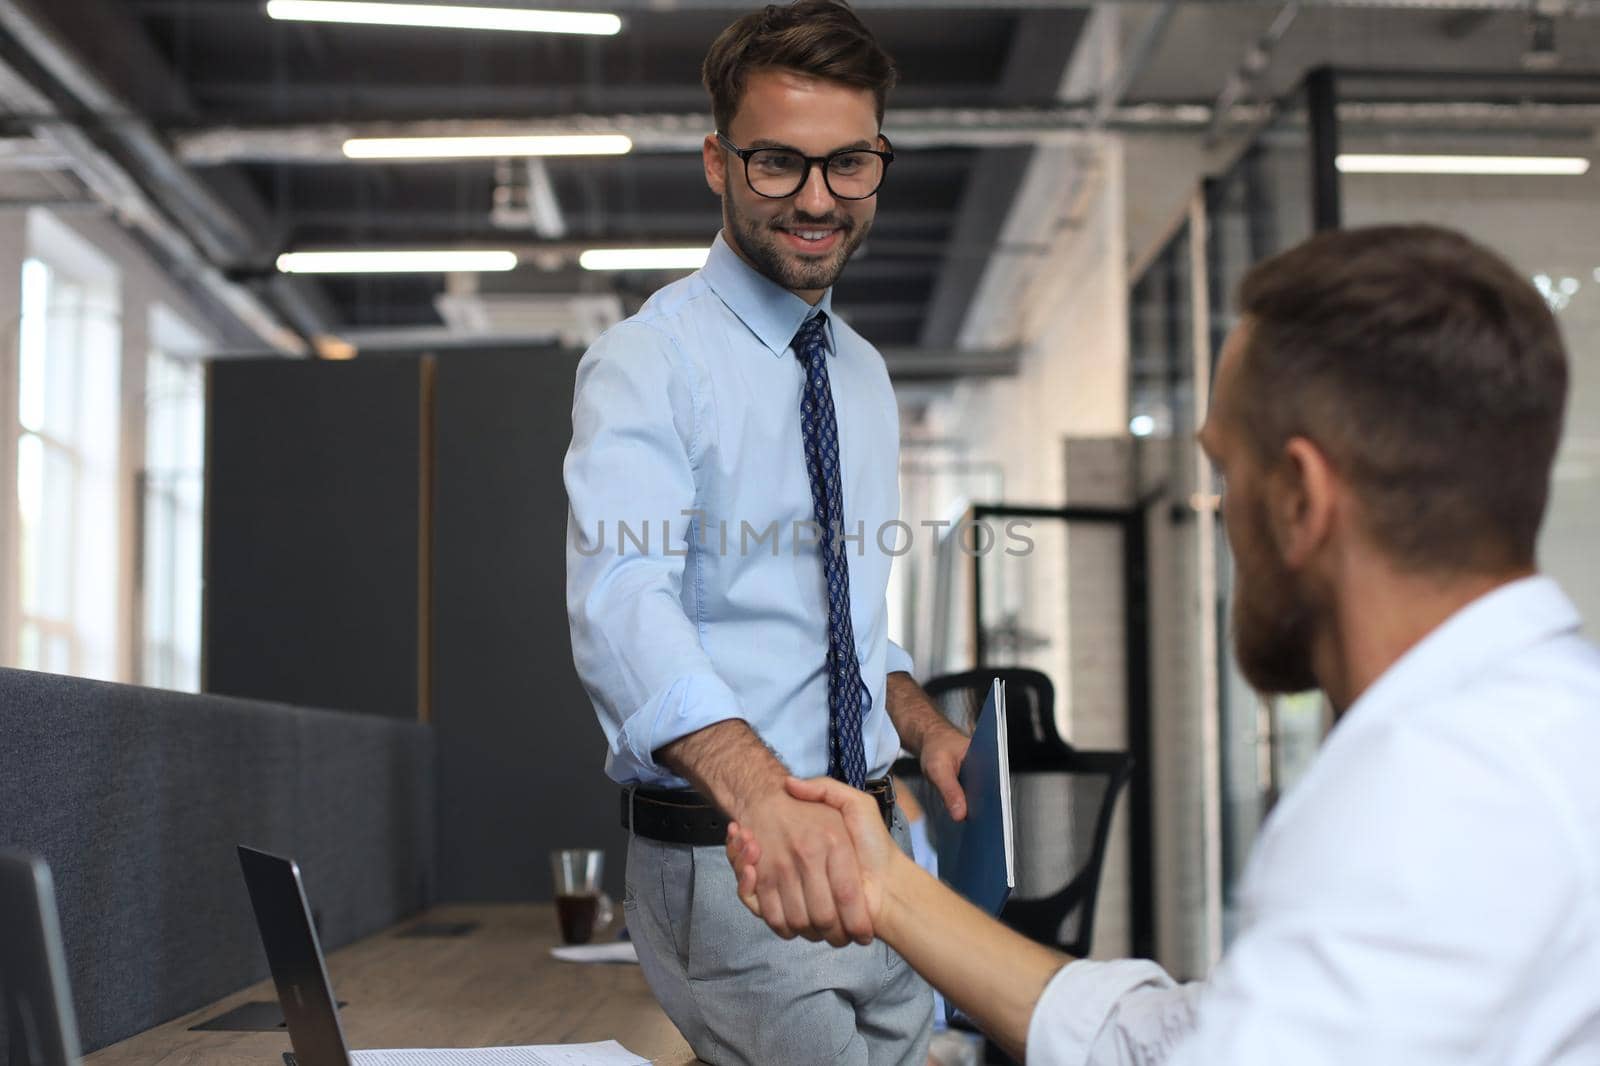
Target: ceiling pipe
908,128
224,238
1579,8
114,188
1242,81
1138,57
923,129
202,252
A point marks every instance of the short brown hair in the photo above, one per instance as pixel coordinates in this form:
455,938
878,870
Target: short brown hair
1429,371
822,38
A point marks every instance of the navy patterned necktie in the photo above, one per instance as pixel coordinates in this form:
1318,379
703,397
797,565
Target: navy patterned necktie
820,431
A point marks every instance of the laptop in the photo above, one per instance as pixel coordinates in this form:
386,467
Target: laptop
304,993
40,1025
295,957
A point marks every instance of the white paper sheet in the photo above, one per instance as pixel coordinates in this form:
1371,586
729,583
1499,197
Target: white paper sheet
617,951
605,1053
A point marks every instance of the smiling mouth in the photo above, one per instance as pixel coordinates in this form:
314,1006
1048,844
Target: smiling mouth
812,238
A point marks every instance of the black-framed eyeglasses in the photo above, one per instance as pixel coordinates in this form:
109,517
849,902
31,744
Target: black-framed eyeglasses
779,173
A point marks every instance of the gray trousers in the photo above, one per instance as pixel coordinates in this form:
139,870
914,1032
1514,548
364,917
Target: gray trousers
740,995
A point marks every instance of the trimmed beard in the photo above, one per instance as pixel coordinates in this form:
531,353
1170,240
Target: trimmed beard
1272,616
758,242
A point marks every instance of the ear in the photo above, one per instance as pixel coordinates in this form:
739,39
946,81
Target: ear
716,164
1303,502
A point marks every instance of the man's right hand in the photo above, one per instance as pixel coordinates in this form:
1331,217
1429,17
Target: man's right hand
874,852
806,880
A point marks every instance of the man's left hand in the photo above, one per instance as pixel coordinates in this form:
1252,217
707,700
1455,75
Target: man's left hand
944,748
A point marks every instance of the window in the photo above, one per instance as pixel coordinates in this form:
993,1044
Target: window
173,484
68,385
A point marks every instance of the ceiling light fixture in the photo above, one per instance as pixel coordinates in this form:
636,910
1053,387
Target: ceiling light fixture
644,258
1530,165
411,262
487,147
442,16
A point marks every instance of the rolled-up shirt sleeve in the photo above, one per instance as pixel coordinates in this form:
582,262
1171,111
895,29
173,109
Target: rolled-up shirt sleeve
1128,1012
898,660
631,462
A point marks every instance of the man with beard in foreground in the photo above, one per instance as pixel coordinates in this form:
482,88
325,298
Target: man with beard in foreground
1385,418
746,437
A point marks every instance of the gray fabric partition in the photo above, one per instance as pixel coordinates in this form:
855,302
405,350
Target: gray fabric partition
136,798
521,755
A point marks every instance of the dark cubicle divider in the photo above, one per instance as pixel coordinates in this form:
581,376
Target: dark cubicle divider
136,798
315,554
520,756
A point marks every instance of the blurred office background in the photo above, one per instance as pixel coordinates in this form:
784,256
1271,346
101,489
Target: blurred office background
342,490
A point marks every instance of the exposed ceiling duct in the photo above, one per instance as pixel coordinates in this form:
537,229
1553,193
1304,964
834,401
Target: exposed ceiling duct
967,128
217,236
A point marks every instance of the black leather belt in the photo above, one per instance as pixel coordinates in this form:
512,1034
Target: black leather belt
683,816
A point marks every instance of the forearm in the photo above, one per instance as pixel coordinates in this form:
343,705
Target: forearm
994,975
726,762
911,711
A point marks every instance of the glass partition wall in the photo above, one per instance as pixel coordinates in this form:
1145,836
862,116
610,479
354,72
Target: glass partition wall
1269,200
1546,224
1182,309
1302,172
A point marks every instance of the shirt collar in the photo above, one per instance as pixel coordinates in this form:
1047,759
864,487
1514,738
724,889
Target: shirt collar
1497,624
771,312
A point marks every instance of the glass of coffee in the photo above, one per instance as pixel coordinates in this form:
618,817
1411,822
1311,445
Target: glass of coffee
579,904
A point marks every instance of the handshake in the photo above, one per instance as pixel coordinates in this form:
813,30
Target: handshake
815,860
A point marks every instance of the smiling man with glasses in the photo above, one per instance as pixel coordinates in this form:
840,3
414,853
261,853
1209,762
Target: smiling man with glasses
748,438
823,220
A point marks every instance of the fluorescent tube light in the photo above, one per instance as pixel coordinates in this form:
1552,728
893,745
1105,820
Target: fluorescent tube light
439,262
486,147
442,16
644,258
1463,164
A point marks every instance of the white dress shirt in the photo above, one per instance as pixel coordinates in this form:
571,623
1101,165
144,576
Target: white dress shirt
1428,894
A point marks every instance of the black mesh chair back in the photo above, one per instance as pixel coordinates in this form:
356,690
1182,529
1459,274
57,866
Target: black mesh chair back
1030,706
1062,803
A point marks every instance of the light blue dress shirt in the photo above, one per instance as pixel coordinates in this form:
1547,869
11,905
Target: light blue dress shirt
694,584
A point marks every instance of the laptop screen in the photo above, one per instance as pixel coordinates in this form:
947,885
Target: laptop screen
295,957
40,1027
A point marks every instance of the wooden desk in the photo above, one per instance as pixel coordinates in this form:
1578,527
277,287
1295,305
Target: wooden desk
496,985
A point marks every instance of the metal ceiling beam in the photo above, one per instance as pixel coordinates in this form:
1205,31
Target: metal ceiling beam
1033,71
232,8
217,230
1134,63
926,128
133,173
1242,82
941,364
118,190
657,226
1015,127
32,153
1053,180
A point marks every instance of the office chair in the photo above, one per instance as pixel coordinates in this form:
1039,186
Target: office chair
1030,705
1062,803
